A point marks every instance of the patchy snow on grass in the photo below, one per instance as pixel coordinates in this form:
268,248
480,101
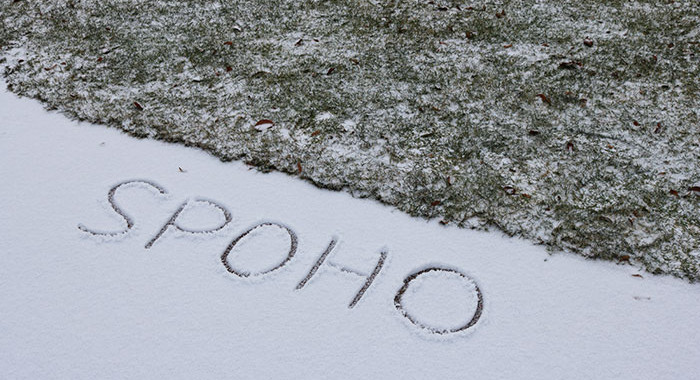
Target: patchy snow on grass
573,124
131,259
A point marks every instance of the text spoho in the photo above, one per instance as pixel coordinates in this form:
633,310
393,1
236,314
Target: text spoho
236,270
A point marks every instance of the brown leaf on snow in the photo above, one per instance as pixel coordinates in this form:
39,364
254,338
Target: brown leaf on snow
435,203
544,98
508,46
673,192
588,42
570,65
315,133
229,43
138,106
637,275
299,167
264,121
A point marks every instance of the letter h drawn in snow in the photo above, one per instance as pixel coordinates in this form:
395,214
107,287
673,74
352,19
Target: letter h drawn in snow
369,278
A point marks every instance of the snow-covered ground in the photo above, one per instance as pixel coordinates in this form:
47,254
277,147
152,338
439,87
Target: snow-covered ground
108,271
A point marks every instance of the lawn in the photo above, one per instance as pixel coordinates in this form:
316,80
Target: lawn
574,124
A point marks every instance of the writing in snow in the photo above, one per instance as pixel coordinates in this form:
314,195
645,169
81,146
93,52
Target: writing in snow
228,260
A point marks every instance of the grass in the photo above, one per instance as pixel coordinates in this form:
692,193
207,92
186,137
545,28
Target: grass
574,124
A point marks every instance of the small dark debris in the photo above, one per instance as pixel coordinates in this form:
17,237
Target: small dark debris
510,190
544,98
264,121
570,65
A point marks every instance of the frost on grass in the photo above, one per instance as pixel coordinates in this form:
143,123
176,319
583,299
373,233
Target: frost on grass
571,123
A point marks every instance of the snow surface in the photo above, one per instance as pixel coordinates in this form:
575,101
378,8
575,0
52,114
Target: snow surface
102,305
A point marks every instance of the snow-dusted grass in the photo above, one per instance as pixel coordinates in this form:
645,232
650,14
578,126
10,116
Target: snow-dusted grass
75,305
572,123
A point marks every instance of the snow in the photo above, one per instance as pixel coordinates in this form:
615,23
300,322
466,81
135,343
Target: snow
79,304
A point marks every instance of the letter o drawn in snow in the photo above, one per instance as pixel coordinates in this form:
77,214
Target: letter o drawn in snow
293,242
399,302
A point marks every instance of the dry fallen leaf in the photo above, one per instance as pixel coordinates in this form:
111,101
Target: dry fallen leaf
138,106
263,125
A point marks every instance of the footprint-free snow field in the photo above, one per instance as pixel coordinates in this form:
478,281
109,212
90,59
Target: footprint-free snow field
132,259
